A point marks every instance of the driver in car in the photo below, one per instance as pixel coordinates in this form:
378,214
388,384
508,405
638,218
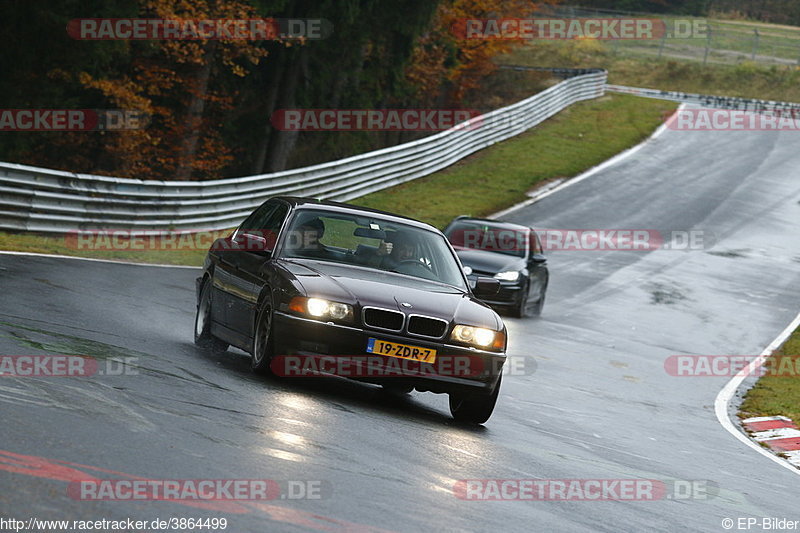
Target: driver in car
400,248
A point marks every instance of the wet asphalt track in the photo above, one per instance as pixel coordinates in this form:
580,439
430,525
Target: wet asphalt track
599,404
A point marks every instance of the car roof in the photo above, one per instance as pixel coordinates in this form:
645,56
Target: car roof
299,202
491,222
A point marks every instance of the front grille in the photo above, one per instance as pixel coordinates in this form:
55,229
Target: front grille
383,318
427,326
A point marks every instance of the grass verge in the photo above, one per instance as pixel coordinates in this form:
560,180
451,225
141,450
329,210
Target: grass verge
773,394
60,245
746,79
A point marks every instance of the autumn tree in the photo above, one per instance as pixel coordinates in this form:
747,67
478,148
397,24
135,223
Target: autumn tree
446,62
172,82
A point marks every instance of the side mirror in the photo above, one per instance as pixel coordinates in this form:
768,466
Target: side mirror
256,244
486,287
538,259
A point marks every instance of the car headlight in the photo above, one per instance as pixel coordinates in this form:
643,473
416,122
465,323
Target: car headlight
479,337
510,275
322,309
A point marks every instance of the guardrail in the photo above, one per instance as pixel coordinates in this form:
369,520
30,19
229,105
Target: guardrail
51,201
707,100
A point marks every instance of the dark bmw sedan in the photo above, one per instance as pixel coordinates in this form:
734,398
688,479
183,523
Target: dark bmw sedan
511,254
305,283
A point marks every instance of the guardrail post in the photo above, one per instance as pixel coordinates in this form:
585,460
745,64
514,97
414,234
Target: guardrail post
756,38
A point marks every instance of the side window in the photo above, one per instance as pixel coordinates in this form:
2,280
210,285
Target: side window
274,220
272,225
256,220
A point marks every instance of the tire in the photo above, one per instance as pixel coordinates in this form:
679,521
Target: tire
537,309
520,309
475,408
261,358
202,323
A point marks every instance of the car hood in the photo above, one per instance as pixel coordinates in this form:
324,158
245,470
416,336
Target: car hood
370,287
489,262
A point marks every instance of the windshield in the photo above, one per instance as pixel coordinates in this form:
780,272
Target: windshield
480,235
372,242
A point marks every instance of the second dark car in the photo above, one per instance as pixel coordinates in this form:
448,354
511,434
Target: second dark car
509,253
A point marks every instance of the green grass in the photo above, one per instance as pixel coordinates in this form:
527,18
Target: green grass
62,245
777,394
747,79
578,138
730,42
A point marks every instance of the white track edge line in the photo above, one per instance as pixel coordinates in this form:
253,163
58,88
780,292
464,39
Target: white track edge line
722,402
36,254
592,171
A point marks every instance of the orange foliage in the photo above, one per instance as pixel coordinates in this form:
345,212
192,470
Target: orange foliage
444,56
171,83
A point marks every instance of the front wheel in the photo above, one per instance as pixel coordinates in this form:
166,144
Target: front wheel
202,323
520,310
474,408
262,344
537,309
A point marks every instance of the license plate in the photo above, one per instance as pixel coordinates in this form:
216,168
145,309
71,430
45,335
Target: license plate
403,351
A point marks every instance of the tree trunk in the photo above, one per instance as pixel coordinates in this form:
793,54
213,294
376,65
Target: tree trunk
282,142
194,116
271,100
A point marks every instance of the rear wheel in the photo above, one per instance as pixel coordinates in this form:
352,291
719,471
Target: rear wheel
202,323
262,344
474,408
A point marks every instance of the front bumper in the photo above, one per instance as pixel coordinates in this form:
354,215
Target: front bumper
509,294
457,369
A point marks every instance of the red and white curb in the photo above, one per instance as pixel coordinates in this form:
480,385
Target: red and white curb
722,404
779,433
